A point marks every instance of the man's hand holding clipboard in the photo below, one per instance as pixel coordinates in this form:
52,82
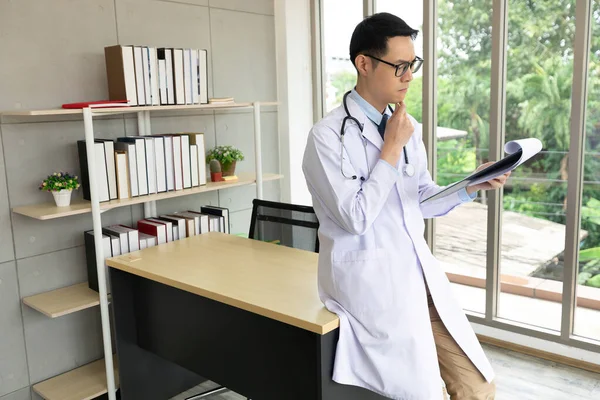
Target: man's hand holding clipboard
493,174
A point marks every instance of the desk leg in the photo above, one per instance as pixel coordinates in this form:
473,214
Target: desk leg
142,375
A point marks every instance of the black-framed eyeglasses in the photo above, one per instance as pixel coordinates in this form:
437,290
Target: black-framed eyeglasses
401,68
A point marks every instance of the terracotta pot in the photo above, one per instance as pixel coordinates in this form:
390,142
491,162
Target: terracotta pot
216,176
228,169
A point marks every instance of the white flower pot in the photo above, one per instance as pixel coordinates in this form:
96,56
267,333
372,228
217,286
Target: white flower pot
62,198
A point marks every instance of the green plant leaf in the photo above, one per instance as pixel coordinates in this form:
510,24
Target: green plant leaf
589,254
583,277
594,282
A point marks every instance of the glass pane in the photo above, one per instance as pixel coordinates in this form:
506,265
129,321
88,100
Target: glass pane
462,140
412,14
539,79
587,313
340,17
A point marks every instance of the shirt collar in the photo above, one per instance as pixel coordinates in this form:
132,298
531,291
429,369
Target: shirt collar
371,112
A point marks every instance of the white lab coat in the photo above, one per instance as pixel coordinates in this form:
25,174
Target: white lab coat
374,258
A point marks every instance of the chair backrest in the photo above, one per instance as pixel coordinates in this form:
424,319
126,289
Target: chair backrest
285,224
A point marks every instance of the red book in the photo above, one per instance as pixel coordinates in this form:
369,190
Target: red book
153,229
97,104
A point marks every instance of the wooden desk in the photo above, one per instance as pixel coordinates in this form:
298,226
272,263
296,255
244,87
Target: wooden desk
240,312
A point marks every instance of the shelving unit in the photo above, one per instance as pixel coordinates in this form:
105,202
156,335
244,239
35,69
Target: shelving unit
101,377
70,299
83,383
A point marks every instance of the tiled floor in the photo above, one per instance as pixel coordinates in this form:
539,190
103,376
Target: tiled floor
518,377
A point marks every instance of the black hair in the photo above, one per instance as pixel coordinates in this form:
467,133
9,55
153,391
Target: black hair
371,35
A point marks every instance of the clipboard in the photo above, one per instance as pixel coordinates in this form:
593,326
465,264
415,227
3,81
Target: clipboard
519,151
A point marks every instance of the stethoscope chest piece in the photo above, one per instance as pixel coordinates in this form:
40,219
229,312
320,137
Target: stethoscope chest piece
409,170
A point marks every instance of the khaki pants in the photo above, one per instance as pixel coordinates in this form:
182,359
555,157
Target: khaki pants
463,380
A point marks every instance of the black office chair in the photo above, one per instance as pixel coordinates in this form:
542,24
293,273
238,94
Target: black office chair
285,224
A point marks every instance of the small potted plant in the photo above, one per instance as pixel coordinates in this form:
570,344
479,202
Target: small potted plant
61,185
227,156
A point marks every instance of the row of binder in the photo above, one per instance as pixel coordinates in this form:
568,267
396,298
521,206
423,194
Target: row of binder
122,239
135,166
151,76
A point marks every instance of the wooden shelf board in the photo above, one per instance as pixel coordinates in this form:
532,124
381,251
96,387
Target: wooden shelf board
133,109
48,211
57,303
84,383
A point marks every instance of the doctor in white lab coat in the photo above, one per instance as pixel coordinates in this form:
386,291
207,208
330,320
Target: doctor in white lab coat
375,269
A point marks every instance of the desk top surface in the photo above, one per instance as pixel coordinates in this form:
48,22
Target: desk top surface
270,280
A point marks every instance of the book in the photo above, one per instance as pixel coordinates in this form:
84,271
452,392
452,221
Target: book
97,104
203,76
168,225
100,167
519,151
154,76
178,225
220,212
204,221
140,158
139,75
120,73
130,151
146,241
111,171
178,78
157,229
90,256
122,171
194,225
220,100
198,140
194,164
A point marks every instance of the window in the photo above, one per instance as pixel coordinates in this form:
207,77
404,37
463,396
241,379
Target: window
463,99
340,17
539,97
587,321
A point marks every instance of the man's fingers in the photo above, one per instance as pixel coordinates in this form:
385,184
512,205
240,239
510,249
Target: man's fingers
399,109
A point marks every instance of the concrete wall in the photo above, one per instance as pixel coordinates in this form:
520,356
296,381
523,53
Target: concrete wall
52,53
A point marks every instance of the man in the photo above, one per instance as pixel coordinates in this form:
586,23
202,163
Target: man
400,326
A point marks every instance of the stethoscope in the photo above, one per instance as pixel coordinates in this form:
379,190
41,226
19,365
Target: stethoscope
408,169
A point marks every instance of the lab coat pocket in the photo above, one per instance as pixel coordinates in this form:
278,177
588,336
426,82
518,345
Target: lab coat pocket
363,281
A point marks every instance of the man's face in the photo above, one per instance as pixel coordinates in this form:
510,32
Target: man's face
389,87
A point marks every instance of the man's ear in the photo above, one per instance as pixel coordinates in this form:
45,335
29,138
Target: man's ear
363,65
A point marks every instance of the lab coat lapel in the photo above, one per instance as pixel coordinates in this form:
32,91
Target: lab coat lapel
370,130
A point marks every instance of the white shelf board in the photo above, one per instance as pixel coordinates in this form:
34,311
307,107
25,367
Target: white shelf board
130,109
47,211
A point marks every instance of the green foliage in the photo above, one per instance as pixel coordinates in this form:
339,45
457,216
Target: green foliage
538,100
454,161
594,282
226,155
59,181
343,81
589,254
590,221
